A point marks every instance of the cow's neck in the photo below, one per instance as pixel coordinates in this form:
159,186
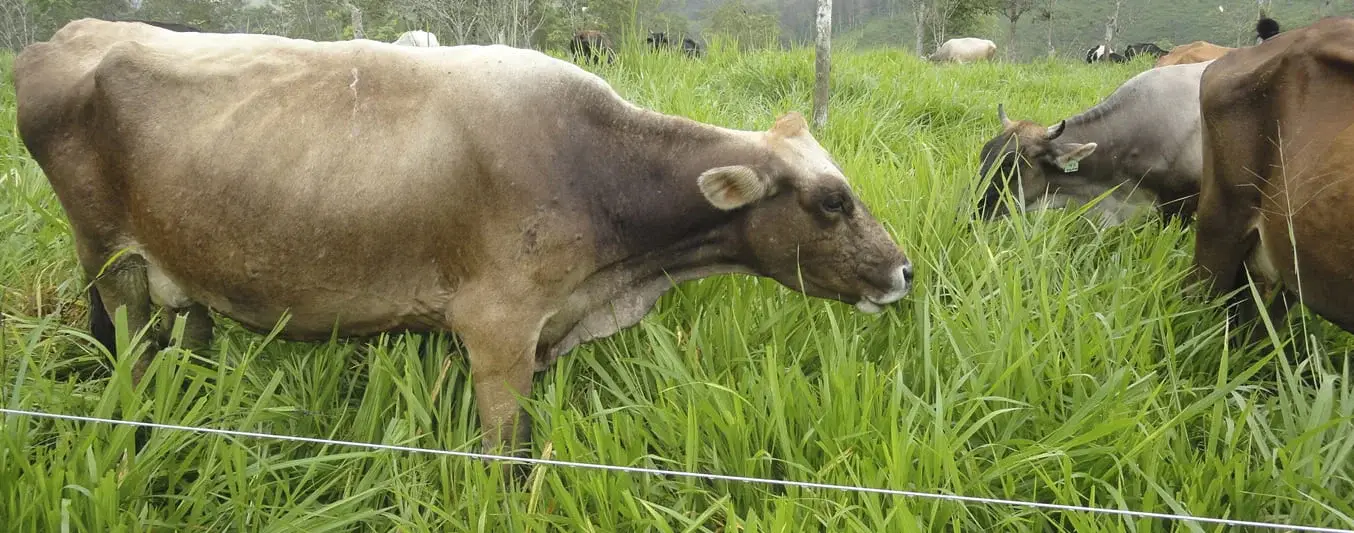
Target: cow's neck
1119,163
654,227
650,205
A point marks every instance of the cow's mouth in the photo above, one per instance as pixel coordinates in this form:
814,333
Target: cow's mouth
865,305
902,284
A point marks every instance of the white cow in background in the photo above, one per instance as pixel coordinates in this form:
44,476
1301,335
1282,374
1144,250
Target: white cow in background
417,38
964,50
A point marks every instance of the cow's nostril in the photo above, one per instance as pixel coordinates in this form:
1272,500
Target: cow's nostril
907,272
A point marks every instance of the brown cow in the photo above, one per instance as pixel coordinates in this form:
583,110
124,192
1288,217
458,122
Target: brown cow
1278,145
1195,52
361,187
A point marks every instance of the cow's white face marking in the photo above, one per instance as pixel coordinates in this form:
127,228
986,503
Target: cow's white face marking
902,283
804,153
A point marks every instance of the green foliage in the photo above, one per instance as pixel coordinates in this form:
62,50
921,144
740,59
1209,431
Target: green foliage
623,19
751,25
673,24
1038,358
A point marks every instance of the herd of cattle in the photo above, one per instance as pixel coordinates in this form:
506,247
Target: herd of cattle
1253,145
969,49
357,187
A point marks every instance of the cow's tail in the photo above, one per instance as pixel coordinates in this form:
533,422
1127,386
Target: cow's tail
100,323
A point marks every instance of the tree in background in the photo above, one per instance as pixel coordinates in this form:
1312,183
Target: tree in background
918,24
751,26
1046,14
1013,10
947,19
1112,24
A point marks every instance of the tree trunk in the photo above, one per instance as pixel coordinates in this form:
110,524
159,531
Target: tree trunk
1011,39
356,14
822,64
919,13
1112,25
1051,50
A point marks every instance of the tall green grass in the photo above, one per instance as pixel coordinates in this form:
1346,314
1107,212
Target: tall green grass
1039,358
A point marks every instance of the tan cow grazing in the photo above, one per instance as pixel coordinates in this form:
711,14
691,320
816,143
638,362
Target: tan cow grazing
965,50
1278,146
362,187
1195,52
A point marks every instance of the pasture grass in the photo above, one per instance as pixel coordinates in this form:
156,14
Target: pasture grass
1039,358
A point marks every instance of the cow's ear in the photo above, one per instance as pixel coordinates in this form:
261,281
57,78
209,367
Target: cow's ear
733,187
1070,155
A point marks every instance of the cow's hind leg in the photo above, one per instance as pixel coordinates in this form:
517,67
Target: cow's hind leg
197,326
122,284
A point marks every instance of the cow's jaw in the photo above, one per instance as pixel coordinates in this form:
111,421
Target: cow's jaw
901,283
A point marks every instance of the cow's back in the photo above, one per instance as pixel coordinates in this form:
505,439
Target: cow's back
254,168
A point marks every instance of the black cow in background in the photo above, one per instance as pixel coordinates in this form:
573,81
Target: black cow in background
691,48
1104,53
590,45
658,40
1137,49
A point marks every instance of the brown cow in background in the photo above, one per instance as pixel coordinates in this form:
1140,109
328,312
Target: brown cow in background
1195,52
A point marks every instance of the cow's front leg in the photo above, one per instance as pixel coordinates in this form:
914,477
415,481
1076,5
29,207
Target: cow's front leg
500,338
1223,240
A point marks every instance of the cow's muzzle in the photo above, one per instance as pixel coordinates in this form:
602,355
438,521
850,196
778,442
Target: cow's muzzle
901,283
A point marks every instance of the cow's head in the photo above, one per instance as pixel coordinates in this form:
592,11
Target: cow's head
801,221
1027,159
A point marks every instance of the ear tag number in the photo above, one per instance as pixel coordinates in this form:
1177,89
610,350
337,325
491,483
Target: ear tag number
1071,167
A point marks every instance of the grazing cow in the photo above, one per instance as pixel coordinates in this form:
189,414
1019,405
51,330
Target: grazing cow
495,192
1195,52
964,50
659,40
417,38
1278,173
691,48
1265,28
1104,53
1142,139
1095,54
1135,50
590,45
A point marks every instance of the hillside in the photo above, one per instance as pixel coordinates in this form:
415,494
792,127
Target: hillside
1080,24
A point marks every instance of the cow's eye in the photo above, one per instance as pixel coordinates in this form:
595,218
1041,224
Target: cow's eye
834,203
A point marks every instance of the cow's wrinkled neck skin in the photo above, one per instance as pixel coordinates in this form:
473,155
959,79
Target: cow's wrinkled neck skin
653,226
1138,160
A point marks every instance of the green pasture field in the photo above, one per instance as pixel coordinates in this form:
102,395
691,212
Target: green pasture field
1039,358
